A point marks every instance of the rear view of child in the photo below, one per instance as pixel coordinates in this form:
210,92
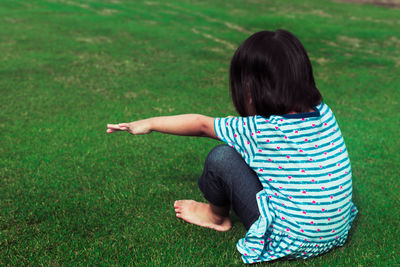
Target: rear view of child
284,169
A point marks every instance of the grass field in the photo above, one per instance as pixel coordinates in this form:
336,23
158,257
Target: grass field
71,195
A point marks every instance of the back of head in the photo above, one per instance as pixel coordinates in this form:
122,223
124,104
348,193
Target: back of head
273,70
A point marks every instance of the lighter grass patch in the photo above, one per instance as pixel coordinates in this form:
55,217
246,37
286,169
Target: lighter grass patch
8,43
226,44
396,61
189,12
94,40
351,41
321,13
13,20
236,27
217,50
322,76
290,16
322,60
393,41
71,3
330,43
151,3
84,6
388,3
107,12
29,5
228,24
169,12
150,22
163,109
100,90
130,95
291,12
67,79
85,64
238,12
377,21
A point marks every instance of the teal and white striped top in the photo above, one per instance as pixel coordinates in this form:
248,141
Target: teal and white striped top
302,162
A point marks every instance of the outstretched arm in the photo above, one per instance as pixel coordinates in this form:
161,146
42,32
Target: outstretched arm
187,124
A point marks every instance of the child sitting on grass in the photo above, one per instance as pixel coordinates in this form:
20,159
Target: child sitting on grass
284,170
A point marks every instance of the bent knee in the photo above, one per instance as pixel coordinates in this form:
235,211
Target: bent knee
221,154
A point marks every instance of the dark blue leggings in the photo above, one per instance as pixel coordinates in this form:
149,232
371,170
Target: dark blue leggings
228,180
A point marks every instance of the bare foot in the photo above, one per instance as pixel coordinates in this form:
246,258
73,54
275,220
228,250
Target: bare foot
203,214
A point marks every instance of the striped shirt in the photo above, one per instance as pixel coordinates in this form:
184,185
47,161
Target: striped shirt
303,165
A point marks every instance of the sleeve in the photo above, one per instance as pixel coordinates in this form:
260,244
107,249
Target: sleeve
239,133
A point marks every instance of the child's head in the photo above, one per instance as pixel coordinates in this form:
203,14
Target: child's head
271,74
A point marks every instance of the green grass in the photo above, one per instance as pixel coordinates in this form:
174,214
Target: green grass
72,195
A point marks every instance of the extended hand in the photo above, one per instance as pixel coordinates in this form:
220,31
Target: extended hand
185,124
136,127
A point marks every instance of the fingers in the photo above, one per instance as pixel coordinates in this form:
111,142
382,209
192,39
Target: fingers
126,125
113,126
116,127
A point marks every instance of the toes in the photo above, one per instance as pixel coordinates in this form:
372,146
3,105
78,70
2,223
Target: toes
179,203
178,208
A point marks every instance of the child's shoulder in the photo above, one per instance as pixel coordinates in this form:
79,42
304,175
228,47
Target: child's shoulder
319,111
274,122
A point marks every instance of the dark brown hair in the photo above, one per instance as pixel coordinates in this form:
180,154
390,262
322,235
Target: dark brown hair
274,70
